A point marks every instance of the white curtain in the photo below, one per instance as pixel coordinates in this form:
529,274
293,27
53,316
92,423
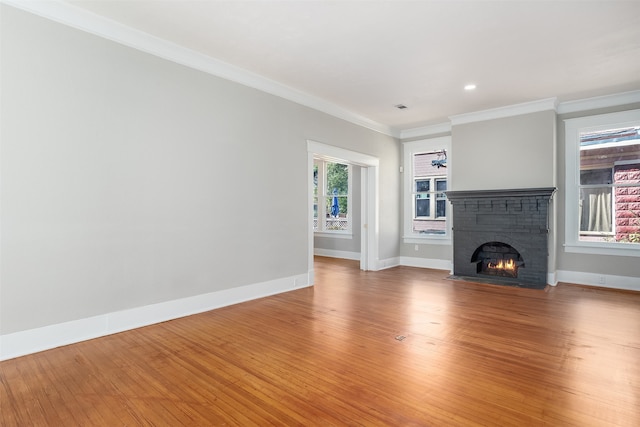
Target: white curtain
596,214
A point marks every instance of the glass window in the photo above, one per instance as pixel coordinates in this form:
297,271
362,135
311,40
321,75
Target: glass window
609,204
426,175
331,196
603,200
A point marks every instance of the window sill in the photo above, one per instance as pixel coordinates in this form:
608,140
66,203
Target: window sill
427,240
334,234
619,249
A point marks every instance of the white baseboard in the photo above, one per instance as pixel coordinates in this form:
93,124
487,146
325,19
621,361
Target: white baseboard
332,253
600,280
436,264
383,264
48,337
552,279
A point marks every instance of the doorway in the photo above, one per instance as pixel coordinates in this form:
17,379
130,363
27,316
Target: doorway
369,199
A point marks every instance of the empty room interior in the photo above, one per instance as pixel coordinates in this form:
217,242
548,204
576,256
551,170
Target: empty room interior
319,213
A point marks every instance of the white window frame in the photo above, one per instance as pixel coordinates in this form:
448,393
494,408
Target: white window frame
573,129
433,205
409,150
322,195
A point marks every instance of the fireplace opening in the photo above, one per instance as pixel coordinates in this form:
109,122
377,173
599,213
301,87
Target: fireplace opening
497,259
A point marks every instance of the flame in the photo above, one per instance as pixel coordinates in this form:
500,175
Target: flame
503,265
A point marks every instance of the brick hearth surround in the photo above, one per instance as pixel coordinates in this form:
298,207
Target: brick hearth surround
516,217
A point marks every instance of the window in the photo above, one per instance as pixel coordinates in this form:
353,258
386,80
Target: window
430,201
426,166
603,183
331,197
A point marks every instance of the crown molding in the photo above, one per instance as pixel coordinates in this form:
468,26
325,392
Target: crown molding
508,111
426,131
599,102
84,20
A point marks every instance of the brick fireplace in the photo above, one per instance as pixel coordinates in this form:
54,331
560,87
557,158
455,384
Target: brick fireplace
501,236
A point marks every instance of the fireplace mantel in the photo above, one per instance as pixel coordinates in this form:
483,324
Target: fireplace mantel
516,192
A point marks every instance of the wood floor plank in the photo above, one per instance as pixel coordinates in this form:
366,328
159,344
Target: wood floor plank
399,347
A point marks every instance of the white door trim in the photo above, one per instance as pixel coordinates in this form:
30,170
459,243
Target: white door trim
369,195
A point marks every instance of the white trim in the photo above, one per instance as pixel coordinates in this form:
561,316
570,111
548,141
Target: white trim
431,240
434,264
573,128
84,20
47,337
426,131
552,279
92,23
369,228
586,104
323,194
383,264
369,198
408,150
599,102
334,234
599,280
331,253
337,154
626,162
507,111
604,248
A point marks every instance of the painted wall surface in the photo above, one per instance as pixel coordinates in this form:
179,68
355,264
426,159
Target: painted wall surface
427,251
128,180
579,262
506,153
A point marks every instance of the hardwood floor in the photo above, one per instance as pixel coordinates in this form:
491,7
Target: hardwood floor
333,355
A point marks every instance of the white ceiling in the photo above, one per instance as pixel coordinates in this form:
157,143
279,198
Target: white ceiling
367,56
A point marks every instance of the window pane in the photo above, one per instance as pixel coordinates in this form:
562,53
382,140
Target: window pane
429,226
609,209
424,189
315,179
315,213
441,208
423,205
423,185
337,206
337,217
337,179
596,176
430,163
596,210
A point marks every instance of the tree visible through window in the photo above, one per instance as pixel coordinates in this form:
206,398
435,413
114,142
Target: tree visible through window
331,196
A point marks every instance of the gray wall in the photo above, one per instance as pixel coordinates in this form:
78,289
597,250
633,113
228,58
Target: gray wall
129,180
511,152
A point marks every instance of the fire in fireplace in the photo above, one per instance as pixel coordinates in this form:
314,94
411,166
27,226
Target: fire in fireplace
497,259
502,268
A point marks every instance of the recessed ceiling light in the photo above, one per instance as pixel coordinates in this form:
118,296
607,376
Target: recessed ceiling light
400,106
470,86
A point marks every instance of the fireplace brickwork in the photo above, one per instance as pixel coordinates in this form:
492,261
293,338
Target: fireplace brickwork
518,218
